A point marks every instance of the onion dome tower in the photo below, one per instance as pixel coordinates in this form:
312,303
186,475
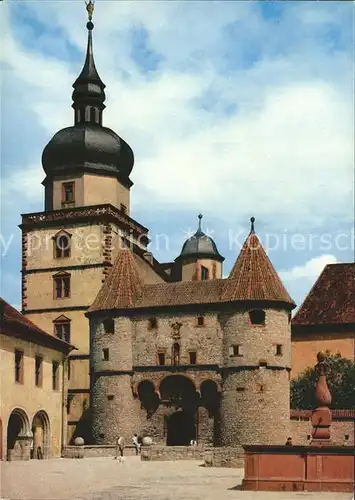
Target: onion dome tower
88,147
199,258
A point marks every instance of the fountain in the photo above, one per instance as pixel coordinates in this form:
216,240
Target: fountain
319,466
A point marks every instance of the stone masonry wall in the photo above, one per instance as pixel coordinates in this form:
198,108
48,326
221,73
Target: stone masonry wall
255,398
206,340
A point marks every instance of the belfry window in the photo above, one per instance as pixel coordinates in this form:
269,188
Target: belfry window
68,192
62,245
61,283
204,273
257,317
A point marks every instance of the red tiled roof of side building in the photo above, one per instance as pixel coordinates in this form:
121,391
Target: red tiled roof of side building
331,300
15,324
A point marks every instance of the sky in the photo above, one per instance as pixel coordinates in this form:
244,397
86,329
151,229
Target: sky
232,109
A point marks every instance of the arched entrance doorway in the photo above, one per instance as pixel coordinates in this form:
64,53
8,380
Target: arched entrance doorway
18,437
181,428
179,392
41,436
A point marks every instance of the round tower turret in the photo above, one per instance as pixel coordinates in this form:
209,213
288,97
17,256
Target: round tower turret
255,403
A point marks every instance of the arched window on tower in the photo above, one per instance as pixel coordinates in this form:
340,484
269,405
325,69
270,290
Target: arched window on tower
175,356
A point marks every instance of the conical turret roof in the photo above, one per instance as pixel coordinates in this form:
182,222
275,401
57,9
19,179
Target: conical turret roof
122,287
253,277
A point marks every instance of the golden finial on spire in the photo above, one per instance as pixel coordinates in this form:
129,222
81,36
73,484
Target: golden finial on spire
90,8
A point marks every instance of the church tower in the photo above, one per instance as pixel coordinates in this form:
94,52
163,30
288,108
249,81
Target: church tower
68,249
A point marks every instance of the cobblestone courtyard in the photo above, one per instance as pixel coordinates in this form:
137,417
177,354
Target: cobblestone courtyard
106,479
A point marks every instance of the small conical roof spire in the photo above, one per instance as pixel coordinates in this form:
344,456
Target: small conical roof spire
199,230
253,277
88,87
252,220
123,285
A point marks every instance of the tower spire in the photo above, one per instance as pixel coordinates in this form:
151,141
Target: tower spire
89,95
199,222
252,220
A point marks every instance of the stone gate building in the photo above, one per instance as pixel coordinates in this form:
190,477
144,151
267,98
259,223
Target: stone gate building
206,360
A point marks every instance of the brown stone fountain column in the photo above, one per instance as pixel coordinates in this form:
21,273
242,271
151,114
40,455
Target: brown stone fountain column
322,415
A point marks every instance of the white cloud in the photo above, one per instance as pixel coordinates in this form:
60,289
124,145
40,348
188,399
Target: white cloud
308,271
287,149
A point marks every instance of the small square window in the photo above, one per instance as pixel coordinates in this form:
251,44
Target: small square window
109,325
152,323
105,354
110,397
257,317
200,321
161,358
193,357
279,350
236,350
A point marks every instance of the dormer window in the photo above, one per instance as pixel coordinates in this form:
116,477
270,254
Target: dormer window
204,273
68,192
257,317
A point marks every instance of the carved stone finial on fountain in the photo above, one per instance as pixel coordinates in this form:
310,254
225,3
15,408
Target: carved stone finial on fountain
322,415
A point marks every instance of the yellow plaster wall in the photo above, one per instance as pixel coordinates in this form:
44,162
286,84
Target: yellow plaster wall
27,396
86,246
306,345
99,190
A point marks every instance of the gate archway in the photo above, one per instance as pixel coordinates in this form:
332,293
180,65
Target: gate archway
181,428
41,435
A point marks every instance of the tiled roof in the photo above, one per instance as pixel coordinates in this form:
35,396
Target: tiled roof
331,300
15,324
253,277
123,285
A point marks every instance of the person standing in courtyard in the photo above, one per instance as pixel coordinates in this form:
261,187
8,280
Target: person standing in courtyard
120,445
136,444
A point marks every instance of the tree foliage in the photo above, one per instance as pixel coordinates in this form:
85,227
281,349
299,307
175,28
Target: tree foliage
341,383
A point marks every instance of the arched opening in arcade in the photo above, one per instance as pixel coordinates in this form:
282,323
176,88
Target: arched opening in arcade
18,437
41,447
181,428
